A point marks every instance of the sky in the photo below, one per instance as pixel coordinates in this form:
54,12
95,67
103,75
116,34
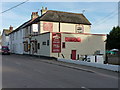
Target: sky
102,15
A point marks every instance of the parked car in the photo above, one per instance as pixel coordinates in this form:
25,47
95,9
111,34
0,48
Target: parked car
5,50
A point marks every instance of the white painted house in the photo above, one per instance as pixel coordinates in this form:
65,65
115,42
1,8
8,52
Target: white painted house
17,36
16,41
5,36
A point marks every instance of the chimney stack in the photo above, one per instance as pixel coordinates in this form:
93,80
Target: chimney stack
34,15
11,28
44,10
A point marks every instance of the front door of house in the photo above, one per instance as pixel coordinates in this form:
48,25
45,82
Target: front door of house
73,54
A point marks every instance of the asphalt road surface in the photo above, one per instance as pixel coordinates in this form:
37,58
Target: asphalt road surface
20,71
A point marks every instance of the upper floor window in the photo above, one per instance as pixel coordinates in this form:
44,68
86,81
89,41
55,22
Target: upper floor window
26,32
20,33
13,36
35,28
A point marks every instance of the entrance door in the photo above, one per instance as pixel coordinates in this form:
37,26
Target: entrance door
73,55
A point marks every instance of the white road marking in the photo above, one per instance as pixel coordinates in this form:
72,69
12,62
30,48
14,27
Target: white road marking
85,88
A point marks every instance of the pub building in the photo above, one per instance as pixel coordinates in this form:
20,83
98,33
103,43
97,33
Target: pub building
61,35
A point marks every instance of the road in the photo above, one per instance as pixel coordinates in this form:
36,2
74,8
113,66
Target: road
20,71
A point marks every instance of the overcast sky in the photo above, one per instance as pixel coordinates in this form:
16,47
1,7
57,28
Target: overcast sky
102,15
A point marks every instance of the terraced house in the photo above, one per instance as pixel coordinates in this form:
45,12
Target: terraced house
5,36
57,34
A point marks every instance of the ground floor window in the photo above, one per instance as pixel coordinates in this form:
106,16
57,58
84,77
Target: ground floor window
48,42
29,47
63,45
26,46
43,43
38,45
35,46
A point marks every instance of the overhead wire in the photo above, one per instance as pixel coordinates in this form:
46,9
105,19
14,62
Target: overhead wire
107,19
13,7
102,19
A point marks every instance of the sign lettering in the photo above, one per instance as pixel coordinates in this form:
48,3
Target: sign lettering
56,42
72,39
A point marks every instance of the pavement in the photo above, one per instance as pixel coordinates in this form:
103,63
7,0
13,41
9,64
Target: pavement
20,71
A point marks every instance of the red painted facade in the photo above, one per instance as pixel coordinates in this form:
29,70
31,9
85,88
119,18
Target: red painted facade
56,42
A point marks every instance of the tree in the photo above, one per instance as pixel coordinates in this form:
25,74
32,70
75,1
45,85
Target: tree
113,38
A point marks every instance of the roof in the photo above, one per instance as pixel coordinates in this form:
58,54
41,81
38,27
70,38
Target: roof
20,26
23,25
65,17
56,16
6,31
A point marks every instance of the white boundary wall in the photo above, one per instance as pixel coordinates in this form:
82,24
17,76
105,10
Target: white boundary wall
0,71
97,65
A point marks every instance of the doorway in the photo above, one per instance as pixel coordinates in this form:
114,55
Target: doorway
73,57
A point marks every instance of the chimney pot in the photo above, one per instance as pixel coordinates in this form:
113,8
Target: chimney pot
34,15
43,10
10,28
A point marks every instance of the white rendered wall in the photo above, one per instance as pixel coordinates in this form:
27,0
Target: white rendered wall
88,45
64,27
44,49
